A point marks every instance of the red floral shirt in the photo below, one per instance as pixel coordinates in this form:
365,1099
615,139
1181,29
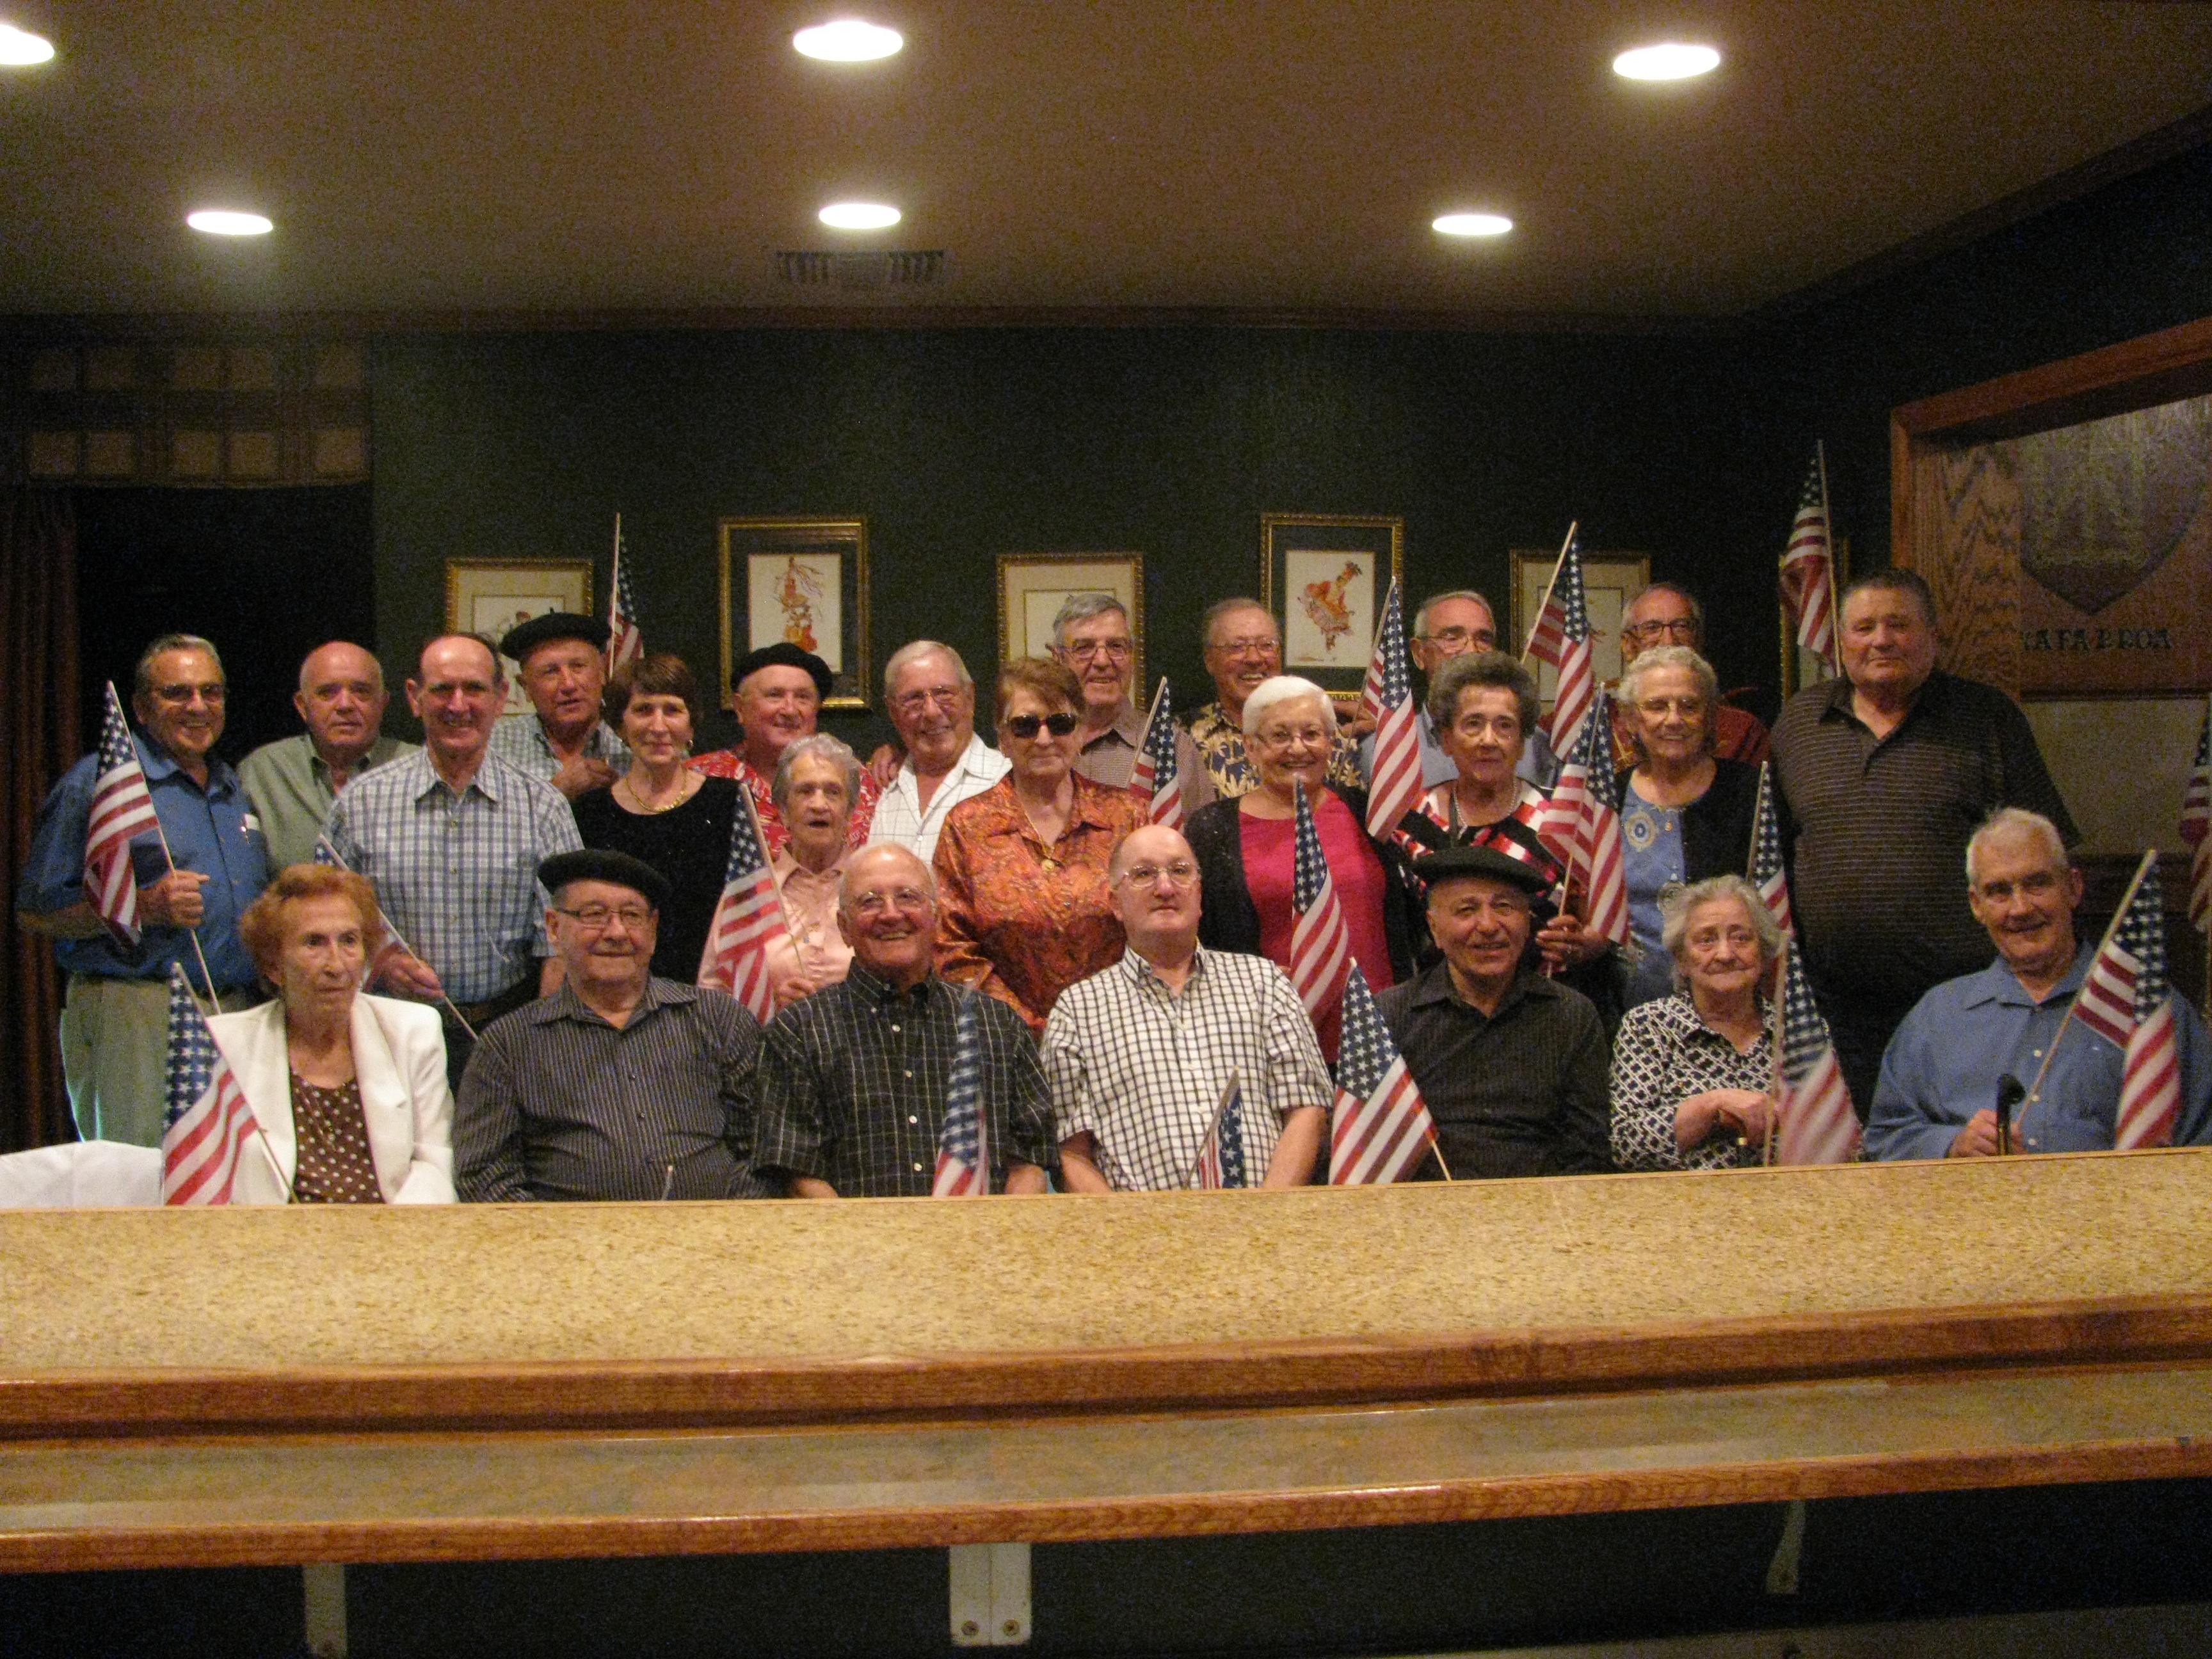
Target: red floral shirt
730,763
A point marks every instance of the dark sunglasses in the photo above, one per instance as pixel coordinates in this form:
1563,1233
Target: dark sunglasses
1024,726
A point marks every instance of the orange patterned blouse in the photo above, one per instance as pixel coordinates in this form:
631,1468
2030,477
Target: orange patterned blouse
1019,919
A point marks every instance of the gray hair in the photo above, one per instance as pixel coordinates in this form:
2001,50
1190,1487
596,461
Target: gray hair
817,745
1285,688
1230,607
142,681
1081,608
1689,599
1675,910
913,652
1486,668
1421,615
1670,656
2009,821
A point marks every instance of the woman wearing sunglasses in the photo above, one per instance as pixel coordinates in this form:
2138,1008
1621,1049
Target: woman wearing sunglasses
1022,903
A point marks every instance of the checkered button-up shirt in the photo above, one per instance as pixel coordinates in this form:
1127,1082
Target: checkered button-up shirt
852,1081
520,741
1141,1068
456,873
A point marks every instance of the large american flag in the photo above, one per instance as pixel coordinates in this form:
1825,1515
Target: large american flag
1395,789
1382,1128
747,917
2127,1002
1809,567
624,643
1816,1123
1154,781
1766,870
1561,637
121,809
1221,1159
1584,817
964,1161
209,1122
2196,822
1321,945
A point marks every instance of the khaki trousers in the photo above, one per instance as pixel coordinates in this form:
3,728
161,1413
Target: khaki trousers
115,1052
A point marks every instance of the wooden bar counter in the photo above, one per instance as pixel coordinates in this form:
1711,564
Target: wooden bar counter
264,1386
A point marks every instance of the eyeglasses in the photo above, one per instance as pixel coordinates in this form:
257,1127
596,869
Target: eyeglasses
1258,647
1024,726
1181,874
595,917
912,702
1282,737
874,903
1677,627
1458,638
1083,650
211,692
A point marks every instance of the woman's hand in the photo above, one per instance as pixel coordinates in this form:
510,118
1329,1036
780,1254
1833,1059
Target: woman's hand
1743,1112
1566,943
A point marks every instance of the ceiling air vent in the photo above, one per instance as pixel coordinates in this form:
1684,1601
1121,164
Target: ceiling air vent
862,271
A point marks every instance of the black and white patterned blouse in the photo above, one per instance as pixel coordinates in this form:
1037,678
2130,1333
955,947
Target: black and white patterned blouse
1663,1053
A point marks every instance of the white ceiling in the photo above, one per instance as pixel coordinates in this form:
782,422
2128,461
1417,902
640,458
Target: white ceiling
1285,155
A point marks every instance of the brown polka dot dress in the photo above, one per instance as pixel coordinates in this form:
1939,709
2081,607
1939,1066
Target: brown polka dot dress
334,1163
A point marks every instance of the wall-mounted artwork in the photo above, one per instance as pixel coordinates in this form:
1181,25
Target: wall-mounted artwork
1324,578
1610,581
1032,586
803,582
490,596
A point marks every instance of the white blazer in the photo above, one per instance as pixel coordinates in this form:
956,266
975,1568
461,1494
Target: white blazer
399,1057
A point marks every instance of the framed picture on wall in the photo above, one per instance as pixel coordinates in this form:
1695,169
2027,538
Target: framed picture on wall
1325,578
1610,581
490,596
804,581
1032,586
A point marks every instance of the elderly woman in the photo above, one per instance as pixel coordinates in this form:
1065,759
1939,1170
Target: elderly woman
663,813
1691,1072
1685,814
1023,905
349,1090
1246,848
816,783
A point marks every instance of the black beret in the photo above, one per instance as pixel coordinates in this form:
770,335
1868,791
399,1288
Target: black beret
604,864
1486,861
525,637
781,654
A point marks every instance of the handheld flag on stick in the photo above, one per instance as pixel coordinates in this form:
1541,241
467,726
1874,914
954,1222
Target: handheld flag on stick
1221,1159
2196,822
1382,1128
2127,1000
1584,817
624,643
1321,945
964,1160
1154,781
1809,567
1816,1124
1766,873
1396,789
747,917
121,810
209,1122
1561,637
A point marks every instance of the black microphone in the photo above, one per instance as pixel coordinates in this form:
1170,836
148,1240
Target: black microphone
2010,1092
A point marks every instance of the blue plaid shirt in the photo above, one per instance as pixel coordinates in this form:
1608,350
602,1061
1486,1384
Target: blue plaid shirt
458,873
520,740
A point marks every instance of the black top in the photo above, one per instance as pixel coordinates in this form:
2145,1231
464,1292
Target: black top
689,844
1717,826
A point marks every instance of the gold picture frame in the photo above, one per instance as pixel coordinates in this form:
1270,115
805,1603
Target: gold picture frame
802,581
490,596
1610,581
1032,586
1324,577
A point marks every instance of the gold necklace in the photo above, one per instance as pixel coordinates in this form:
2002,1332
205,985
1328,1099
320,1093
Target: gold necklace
686,786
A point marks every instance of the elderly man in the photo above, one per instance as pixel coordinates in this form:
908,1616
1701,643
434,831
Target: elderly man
1449,625
1090,635
777,693
292,782
115,1025
852,1083
618,1085
1140,1054
1243,646
564,741
1512,1065
1938,1094
1666,613
1884,772
451,838
932,703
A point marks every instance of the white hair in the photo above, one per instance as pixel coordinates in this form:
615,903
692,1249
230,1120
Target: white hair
913,652
2007,823
1285,688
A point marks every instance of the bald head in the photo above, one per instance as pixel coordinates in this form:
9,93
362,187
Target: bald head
1153,880
887,911
341,700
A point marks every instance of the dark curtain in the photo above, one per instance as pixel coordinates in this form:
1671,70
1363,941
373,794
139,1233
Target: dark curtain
38,618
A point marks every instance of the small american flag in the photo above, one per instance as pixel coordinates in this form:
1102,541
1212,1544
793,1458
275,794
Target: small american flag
1807,568
1584,817
1562,638
1817,1123
1383,1128
1321,945
748,915
963,1164
624,643
209,1122
1396,787
121,809
2126,1001
2196,822
1766,872
1221,1159
1154,782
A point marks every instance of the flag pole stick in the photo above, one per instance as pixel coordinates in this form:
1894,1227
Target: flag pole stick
1537,621
1437,1146
214,1003
2149,862
1775,1012
1828,523
400,939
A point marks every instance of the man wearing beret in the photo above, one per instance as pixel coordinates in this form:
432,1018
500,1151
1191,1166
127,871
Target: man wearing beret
618,1085
563,741
1513,1065
777,693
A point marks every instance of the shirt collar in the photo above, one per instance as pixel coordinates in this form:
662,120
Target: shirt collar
1998,984
158,765
565,1003
1142,973
1436,985
880,992
485,782
1128,727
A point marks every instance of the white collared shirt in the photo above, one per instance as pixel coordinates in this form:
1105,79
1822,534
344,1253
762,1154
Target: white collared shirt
900,815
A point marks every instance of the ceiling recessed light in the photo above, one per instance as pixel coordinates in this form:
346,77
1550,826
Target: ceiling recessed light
848,40
20,48
227,222
1471,224
1670,60
860,216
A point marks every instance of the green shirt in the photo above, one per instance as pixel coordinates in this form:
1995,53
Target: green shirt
289,785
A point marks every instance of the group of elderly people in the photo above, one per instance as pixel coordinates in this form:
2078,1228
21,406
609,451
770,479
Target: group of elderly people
1013,874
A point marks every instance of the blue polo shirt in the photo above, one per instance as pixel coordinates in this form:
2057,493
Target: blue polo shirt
212,831
1944,1063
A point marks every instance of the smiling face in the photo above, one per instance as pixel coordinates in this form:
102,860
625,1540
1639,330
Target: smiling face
1720,956
563,679
184,710
319,964
1242,648
1482,925
774,705
1042,760
887,911
656,726
1101,653
934,712
341,698
1485,739
1291,744
1888,643
457,698
1657,616
1669,717
2025,893
603,933
1154,885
